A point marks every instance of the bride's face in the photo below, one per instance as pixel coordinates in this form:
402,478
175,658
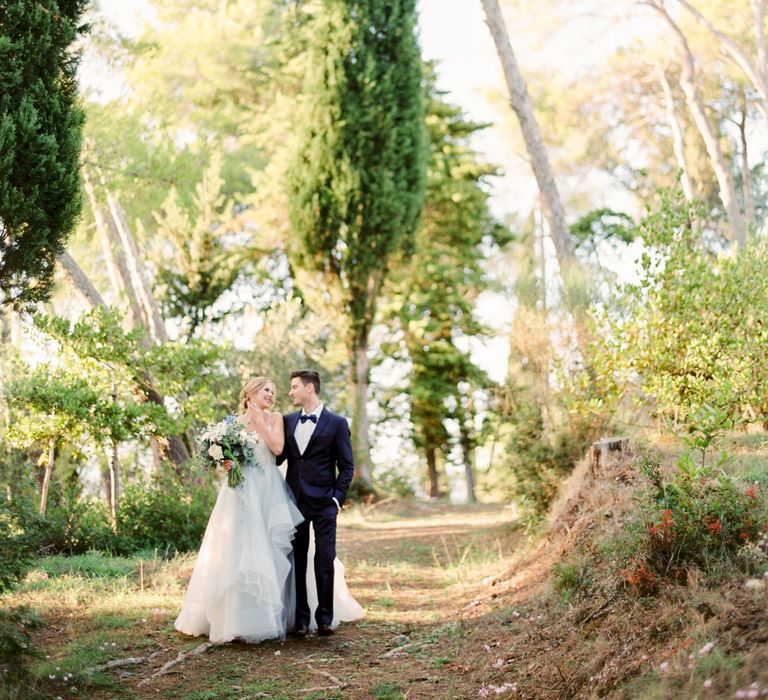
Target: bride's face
263,398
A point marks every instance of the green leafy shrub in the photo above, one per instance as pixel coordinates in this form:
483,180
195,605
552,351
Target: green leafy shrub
16,626
699,519
573,578
17,547
392,482
162,514
696,323
71,525
700,516
538,461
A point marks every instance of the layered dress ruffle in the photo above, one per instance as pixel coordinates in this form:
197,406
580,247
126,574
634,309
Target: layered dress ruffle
242,585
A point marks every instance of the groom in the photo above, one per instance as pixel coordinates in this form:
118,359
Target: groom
317,445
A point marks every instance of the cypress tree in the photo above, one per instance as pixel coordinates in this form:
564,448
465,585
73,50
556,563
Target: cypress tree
40,133
356,184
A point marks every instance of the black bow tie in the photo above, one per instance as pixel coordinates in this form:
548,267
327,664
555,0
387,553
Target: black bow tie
304,417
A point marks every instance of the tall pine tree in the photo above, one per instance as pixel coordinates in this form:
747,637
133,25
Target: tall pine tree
40,127
356,185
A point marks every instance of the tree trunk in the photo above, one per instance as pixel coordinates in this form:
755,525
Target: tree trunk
105,478
172,449
469,468
114,472
115,261
755,71
50,460
521,104
78,279
698,112
468,446
360,444
758,17
434,483
136,270
746,175
678,143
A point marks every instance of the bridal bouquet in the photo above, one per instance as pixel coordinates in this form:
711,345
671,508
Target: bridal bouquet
227,440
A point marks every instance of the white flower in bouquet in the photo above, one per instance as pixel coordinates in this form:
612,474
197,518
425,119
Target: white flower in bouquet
228,440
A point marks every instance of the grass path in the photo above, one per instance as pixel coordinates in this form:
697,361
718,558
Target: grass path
417,570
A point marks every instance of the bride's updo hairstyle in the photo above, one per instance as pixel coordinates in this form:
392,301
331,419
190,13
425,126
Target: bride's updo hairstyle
251,387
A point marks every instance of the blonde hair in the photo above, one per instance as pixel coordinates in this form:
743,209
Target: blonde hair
251,387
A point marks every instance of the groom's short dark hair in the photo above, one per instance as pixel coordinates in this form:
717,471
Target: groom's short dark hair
308,376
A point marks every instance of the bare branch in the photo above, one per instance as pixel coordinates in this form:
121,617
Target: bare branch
183,656
758,15
756,76
678,144
698,112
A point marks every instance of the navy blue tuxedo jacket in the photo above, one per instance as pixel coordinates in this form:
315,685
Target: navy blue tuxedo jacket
325,470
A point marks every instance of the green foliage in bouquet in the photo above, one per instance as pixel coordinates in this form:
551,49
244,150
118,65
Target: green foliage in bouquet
227,440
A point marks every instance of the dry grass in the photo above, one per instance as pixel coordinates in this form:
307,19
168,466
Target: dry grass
459,605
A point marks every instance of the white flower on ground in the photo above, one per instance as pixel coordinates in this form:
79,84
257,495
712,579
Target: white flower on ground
706,648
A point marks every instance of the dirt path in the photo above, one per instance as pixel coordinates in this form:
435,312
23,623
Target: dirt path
425,574
414,570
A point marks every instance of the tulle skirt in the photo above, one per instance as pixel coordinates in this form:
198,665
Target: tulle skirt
345,607
242,586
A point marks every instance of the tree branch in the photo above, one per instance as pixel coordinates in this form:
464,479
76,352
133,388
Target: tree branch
698,112
752,71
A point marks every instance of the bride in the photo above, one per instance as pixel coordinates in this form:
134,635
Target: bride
242,586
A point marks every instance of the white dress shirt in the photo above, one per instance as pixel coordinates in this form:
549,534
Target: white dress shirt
304,430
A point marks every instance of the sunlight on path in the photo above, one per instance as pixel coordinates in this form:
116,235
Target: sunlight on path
421,563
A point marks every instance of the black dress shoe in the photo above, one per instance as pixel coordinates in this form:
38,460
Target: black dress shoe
324,630
300,631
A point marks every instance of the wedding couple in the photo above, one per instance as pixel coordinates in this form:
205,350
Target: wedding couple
251,581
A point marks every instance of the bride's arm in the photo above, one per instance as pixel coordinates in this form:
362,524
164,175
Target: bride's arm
274,435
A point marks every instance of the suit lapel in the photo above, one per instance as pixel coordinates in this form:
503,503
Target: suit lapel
321,423
293,420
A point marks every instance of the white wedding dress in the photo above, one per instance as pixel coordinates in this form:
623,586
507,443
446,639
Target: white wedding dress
242,585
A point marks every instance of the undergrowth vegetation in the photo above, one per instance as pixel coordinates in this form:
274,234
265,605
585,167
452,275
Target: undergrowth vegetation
691,517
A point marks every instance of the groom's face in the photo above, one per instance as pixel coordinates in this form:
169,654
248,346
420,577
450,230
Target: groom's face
299,391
